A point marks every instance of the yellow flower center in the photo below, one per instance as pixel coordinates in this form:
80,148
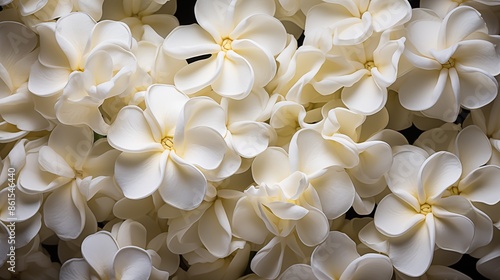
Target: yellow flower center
425,208
369,65
78,174
454,191
449,64
226,44
167,143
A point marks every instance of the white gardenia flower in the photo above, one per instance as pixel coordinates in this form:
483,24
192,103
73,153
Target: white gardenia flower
242,38
418,216
173,144
350,22
454,66
338,259
17,106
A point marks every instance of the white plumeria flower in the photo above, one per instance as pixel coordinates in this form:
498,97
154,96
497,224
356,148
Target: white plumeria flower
417,216
478,182
338,259
454,66
34,12
365,71
213,238
17,108
141,15
282,203
107,74
242,39
72,170
171,143
66,45
350,22
104,259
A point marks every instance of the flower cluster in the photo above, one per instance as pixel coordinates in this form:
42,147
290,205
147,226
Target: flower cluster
268,140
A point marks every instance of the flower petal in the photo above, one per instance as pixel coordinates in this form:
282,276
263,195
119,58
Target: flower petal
313,228
412,254
72,33
275,159
451,224
189,41
336,192
132,263
75,269
52,162
452,31
302,271
99,250
267,32
199,74
477,88
246,224
310,153
262,62
439,172
150,166
369,266
72,143
250,138
165,103
215,231
387,14
422,89
236,77
64,212
472,148
184,185
332,257
203,147
479,54
394,217
481,185
268,260
45,81
132,133
365,97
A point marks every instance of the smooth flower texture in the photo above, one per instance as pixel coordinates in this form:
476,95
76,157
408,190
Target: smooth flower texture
447,72
350,22
364,71
242,40
417,214
103,258
65,46
71,170
282,203
172,143
248,133
34,12
488,120
142,15
17,108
